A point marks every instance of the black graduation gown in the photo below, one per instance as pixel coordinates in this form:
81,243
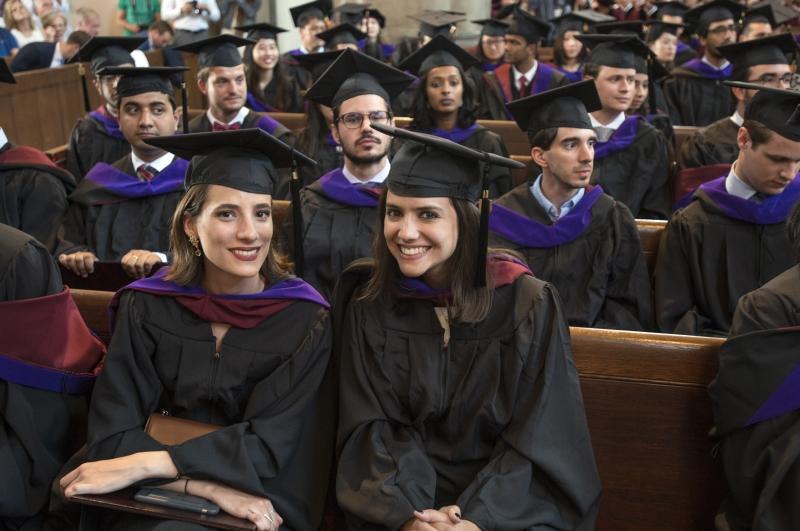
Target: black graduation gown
90,143
707,261
334,234
39,429
201,124
760,458
493,422
109,230
776,304
499,88
33,199
601,276
715,144
295,103
328,157
266,387
696,100
638,176
491,142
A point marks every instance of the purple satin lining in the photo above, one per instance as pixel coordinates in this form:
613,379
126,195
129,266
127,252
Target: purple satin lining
524,231
109,124
268,123
110,178
255,104
122,184
784,400
296,52
773,209
697,65
572,77
490,67
339,189
46,378
621,139
330,141
457,135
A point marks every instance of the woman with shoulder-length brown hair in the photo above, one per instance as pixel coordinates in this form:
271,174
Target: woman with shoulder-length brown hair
225,336
457,385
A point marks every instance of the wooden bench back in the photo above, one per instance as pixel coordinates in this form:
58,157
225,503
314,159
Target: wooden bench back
682,133
650,232
648,413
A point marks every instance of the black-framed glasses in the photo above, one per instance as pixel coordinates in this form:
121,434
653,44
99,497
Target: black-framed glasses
354,120
778,81
721,30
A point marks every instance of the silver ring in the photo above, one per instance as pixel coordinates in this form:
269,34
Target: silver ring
268,517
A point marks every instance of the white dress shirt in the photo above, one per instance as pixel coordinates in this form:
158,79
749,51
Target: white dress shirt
737,118
238,119
737,187
171,12
377,178
552,212
527,75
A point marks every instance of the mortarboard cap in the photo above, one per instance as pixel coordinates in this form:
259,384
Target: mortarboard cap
135,80
316,63
582,21
432,23
342,34
492,26
567,106
371,12
354,74
107,51
671,8
780,13
221,50
6,76
771,50
621,27
531,28
714,11
617,51
657,29
440,51
316,9
350,12
261,30
778,109
762,13
244,160
507,11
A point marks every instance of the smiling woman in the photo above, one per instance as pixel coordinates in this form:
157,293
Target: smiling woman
227,337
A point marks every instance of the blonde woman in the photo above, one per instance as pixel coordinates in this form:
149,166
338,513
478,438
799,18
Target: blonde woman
19,21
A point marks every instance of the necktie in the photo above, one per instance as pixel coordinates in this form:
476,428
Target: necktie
523,86
146,172
222,127
603,133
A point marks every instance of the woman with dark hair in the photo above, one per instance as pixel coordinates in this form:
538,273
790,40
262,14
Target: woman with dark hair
270,86
445,103
568,52
228,337
374,45
459,401
491,44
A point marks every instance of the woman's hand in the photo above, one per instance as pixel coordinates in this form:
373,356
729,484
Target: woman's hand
240,504
445,519
108,475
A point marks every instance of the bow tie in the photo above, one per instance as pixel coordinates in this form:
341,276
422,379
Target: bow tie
222,127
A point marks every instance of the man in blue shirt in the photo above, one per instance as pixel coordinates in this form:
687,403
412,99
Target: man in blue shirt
8,43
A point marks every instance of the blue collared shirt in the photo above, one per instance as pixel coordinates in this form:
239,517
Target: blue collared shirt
553,213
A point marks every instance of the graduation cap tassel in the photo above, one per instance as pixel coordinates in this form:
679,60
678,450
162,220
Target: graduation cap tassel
184,108
297,220
87,106
483,230
651,86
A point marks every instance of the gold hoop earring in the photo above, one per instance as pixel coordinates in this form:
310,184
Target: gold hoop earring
196,244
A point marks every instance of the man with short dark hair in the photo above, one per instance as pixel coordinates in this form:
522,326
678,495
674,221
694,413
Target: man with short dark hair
569,231
36,55
730,239
159,36
694,91
758,23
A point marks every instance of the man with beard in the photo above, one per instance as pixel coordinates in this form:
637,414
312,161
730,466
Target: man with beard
761,61
570,232
339,209
694,91
731,239
222,80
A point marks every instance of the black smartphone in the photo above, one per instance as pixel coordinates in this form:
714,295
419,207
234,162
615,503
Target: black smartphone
176,500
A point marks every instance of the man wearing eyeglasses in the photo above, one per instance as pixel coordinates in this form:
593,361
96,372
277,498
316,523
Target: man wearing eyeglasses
339,210
694,91
762,61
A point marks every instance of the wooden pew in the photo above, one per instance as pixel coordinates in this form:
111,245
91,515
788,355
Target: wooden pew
682,133
650,232
58,155
648,413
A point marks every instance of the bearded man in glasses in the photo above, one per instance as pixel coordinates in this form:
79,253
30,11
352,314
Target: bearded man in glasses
339,210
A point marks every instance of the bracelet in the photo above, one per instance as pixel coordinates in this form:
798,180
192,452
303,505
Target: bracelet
186,486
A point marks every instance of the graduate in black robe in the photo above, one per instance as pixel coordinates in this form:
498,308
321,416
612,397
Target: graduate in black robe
767,57
243,345
694,91
438,420
730,239
339,209
587,246
227,110
47,367
501,85
96,137
631,158
309,19
120,211
446,108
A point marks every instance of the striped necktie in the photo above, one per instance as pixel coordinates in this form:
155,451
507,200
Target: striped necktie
146,172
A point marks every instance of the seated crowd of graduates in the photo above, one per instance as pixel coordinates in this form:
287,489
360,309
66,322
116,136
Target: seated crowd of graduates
405,330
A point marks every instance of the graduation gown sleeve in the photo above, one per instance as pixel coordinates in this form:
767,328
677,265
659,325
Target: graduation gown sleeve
715,144
26,268
490,142
776,304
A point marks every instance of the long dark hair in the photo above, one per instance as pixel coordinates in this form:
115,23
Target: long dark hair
315,133
468,304
423,114
280,75
559,58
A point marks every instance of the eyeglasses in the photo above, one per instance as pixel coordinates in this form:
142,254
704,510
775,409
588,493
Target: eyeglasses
354,120
500,41
774,80
721,30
